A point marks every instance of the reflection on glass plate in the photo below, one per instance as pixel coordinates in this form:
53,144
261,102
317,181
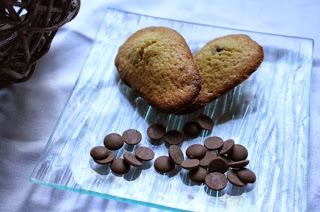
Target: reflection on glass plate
268,113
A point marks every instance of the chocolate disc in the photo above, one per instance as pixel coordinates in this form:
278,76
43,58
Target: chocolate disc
164,164
131,136
119,166
176,154
246,175
99,152
113,141
218,165
225,158
227,146
144,153
205,122
213,143
156,131
216,181
173,137
208,157
238,153
108,160
198,175
196,151
191,129
234,179
131,159
239,164
190,164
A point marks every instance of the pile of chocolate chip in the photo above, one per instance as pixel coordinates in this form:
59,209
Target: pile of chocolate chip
113,141
206,163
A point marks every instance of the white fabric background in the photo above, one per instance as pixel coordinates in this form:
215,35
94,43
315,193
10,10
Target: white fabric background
29,111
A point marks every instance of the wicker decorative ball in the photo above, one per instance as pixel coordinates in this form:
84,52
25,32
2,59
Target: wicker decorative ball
27,28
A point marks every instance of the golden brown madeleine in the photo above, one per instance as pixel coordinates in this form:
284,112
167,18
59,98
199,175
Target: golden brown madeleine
224,63
157,64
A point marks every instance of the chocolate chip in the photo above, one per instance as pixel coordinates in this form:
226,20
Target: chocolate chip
119,166
173,137
238,153
196,151
107,160
190,164
198,175
208,157
218,165
239,164
234,179
205,122
164,164
156,131
246,175
213,143
216,181
219,49
225,158
131,136
99,152
113,141
191,129
144,153
131,159
176,154
227,146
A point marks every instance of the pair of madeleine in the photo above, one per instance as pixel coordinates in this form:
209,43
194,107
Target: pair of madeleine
157,64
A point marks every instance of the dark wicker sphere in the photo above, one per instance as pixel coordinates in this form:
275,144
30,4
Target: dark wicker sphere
27,28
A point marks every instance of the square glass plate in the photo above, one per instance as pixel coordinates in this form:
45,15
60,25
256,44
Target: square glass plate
268,113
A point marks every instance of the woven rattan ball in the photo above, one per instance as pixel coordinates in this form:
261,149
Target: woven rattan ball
27,28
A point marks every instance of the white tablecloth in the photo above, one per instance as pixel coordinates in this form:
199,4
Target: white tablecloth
29,111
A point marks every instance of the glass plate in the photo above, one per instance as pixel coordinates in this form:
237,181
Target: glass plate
268,113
